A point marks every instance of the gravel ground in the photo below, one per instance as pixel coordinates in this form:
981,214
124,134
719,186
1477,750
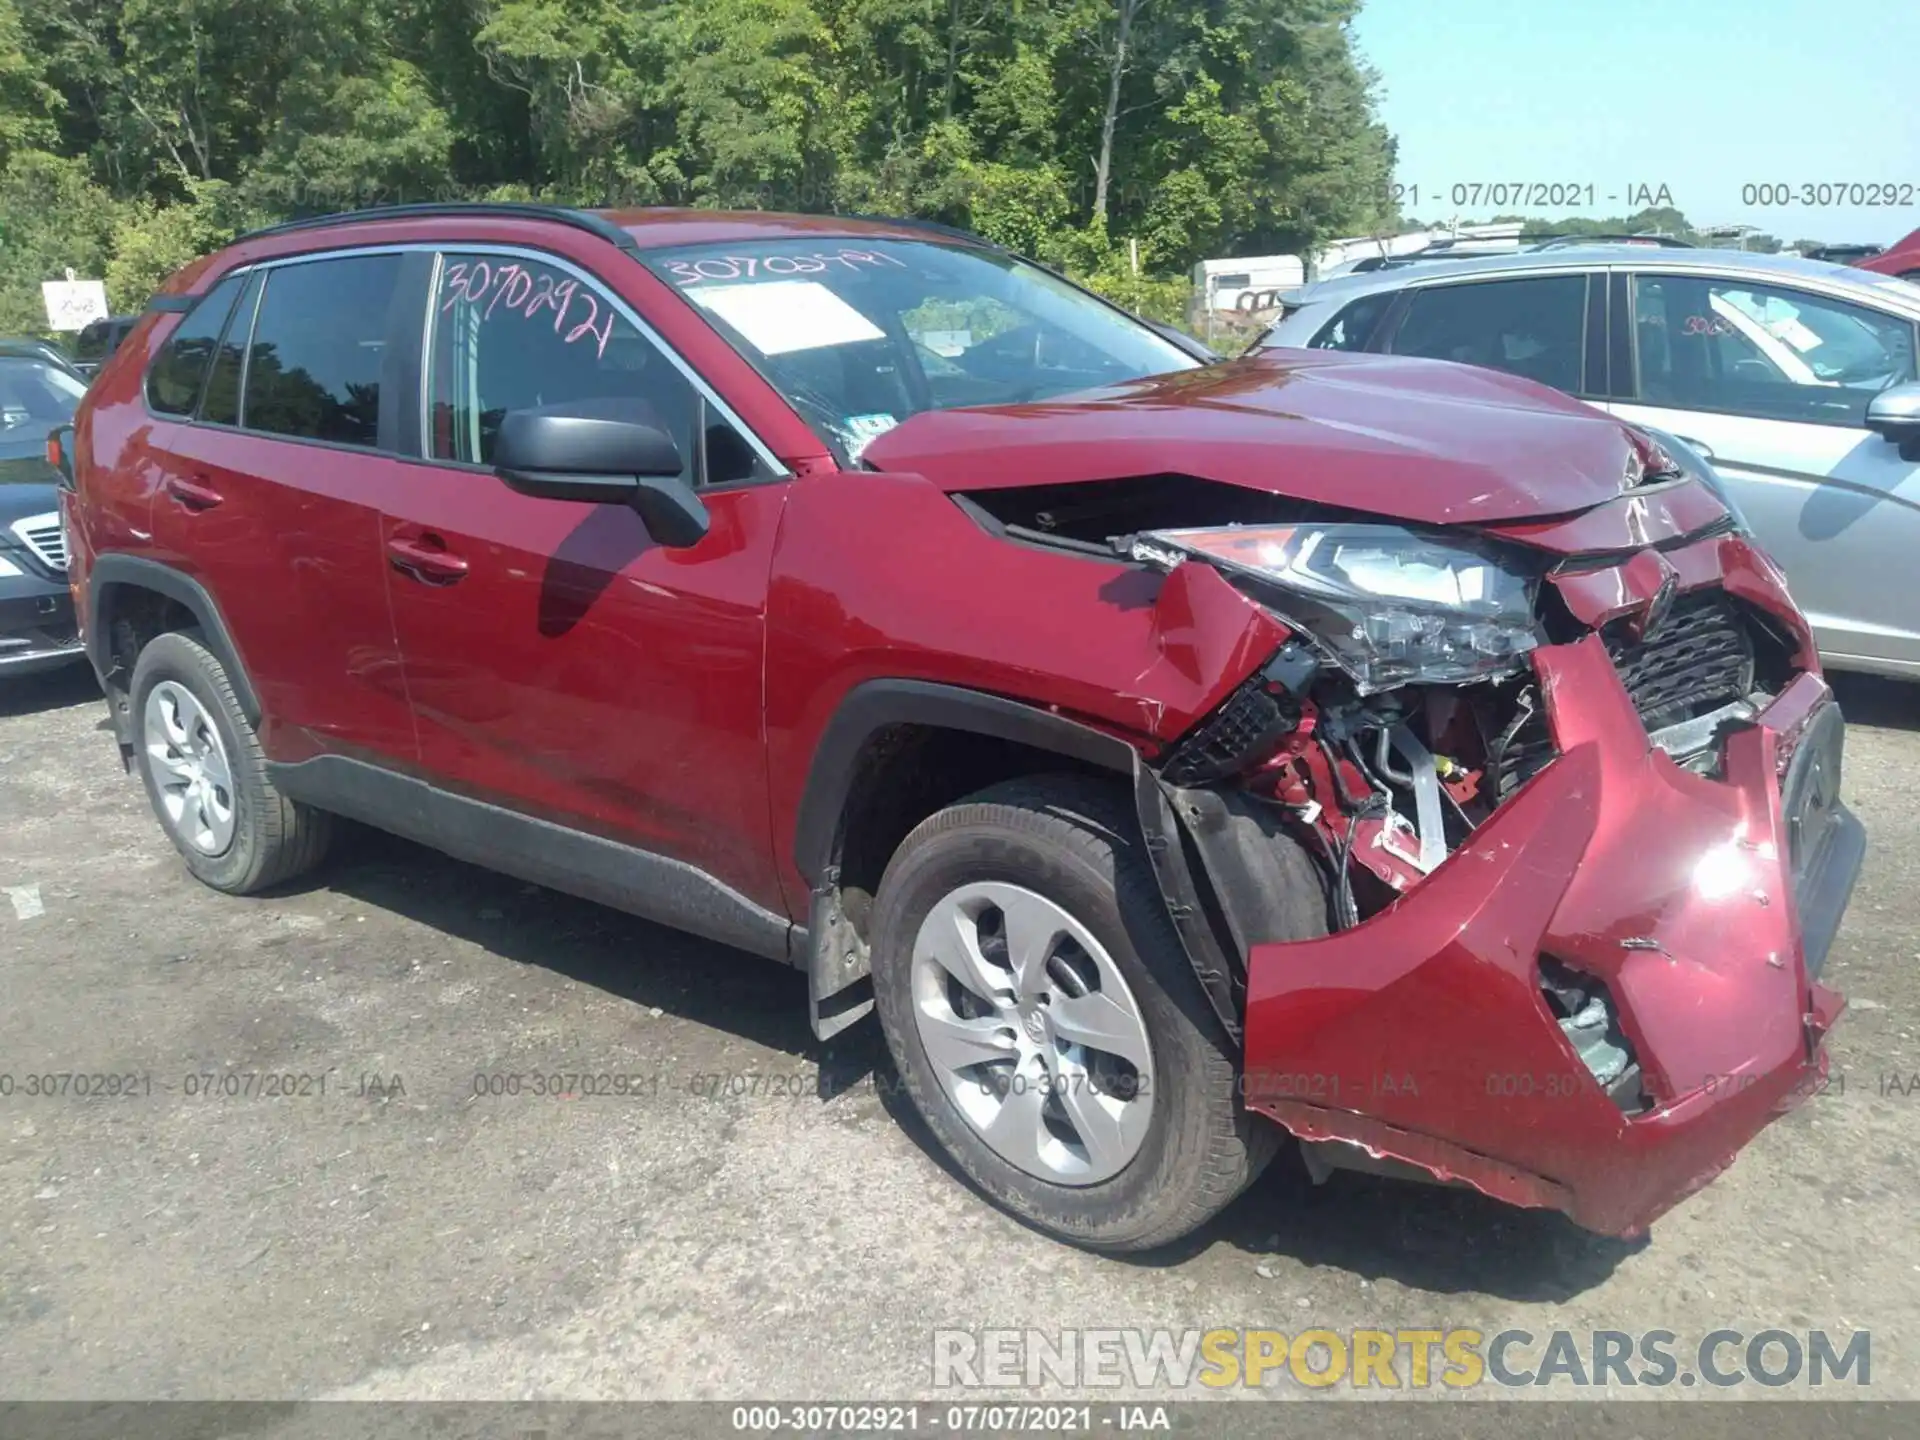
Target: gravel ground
399,1236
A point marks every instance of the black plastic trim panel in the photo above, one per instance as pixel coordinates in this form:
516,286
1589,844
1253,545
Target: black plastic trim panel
654,887
1180,891
141,573
874,706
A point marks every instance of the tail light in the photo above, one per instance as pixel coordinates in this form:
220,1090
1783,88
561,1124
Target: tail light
60,453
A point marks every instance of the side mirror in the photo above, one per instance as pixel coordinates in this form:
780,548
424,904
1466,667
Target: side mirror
602,452
1894,415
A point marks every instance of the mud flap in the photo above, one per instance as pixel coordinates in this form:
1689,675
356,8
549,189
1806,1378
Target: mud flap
839,966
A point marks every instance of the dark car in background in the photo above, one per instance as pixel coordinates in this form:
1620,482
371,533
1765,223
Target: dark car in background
37,395
97,341
35,348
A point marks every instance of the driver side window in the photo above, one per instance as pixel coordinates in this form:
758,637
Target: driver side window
513,333
1730,346
510,333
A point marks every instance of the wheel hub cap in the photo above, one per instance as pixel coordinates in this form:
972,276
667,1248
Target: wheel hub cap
190,769
1033,1032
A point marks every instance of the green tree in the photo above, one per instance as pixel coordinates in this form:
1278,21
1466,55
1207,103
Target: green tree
52,218
150,241
1121,138
29,106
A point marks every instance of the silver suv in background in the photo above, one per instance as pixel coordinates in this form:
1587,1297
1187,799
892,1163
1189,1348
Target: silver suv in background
1797,379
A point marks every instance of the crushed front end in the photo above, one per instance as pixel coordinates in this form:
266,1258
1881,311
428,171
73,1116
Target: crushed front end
1582,856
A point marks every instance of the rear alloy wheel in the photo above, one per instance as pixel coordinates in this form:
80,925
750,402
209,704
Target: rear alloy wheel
1046,1024
193,779
207,777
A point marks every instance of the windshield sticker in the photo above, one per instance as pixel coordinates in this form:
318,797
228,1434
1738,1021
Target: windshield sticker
783,316
1796,333
862,430
528,293
725,268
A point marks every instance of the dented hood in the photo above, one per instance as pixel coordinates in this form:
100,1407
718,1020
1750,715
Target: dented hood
1416,440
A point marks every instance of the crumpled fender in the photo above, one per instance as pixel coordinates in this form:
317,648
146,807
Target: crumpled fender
1210,638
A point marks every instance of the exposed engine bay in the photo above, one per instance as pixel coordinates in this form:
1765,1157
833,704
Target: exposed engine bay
1383,771
1391,784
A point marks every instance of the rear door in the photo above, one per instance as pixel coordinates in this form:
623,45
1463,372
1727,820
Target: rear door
561,663
1772,383
271,475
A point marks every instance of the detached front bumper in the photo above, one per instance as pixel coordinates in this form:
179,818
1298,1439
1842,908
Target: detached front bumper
1705,907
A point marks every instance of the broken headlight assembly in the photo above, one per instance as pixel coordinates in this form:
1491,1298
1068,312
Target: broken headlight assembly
1388,605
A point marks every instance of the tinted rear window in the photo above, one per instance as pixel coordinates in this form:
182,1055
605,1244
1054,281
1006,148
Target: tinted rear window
173,384
221,405
1534,327
1353,326
319,343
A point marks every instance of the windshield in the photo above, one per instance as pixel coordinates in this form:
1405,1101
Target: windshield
859,335
1813,344
34,398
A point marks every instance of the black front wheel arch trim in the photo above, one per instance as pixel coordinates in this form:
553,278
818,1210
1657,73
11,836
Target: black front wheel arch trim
836,958
139,573
878,704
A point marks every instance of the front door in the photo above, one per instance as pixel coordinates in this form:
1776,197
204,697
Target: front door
1772,384
560,662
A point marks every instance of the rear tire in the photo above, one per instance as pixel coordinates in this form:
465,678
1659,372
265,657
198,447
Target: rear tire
1060,857
207,777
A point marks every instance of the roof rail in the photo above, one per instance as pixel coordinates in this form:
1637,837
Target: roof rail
477,209
1567,242
911,223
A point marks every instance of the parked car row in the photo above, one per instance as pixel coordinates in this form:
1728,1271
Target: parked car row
40,387
1796,379
39,390
1169,753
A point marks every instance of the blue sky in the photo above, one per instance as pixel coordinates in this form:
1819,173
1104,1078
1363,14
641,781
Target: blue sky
1702,96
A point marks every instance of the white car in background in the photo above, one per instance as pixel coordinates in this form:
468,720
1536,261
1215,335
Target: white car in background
1797,379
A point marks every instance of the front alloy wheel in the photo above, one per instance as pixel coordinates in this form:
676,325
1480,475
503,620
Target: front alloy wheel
1045,1022
1033,1033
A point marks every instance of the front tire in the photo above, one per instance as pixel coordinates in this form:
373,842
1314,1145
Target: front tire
207,777
1046,1024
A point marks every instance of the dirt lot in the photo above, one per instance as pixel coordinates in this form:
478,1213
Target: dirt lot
401,1236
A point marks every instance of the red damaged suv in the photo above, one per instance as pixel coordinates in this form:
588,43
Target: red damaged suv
1394,753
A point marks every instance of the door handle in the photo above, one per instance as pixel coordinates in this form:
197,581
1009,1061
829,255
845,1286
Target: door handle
1706,451
427,560
195,494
